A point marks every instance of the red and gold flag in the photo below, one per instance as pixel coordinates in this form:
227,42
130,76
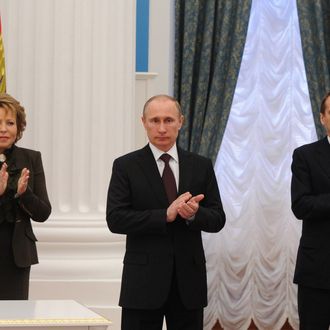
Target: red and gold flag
2,64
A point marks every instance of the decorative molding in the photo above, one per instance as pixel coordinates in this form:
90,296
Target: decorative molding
145,75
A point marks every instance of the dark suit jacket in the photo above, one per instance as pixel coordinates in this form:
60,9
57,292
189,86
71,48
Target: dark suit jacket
136,206
310,194
33,204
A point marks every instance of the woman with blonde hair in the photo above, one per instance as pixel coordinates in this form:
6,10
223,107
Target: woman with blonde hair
23,196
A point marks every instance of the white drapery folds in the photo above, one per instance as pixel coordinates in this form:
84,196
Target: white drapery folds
251,261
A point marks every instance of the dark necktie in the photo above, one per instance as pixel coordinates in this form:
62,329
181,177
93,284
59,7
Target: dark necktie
168,179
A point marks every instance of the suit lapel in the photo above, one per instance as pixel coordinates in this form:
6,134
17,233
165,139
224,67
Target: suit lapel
16,163
185,171
149,167
323,154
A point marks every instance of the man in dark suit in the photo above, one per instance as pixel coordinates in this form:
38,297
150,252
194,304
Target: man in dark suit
164,270
310,194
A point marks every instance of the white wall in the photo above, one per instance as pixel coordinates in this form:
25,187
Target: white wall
71,63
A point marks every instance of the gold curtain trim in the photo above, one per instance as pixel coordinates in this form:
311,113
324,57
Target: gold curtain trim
55,321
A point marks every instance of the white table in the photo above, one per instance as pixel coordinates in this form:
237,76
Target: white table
49,314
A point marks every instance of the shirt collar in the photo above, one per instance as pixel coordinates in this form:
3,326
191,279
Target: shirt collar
173,152
328,138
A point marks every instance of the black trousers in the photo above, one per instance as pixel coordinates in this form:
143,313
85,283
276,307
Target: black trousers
176,315
313,308
14,281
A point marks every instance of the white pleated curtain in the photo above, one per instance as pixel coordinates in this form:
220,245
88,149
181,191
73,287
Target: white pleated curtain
251,261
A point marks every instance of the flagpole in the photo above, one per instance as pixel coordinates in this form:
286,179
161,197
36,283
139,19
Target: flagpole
2,63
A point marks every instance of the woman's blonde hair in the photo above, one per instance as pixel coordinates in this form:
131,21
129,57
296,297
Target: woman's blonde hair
7,102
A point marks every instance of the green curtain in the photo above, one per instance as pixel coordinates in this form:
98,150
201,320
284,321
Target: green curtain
314,21
209,43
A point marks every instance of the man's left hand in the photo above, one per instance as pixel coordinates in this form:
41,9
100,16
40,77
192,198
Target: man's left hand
190,208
